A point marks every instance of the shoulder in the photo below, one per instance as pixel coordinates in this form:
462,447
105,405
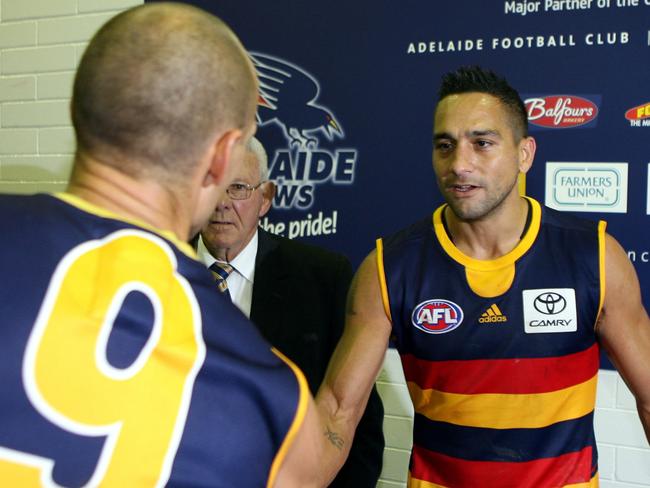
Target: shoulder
566,221
410,235
578,237
39,204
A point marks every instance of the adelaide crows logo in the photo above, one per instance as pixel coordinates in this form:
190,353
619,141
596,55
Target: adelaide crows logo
288,97
288,105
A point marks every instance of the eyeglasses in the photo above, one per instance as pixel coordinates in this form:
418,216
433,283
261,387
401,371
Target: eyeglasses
241,191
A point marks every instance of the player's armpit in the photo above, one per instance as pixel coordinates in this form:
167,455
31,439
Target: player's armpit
624,327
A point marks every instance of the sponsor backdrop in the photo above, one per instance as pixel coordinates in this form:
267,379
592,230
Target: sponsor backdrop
348,91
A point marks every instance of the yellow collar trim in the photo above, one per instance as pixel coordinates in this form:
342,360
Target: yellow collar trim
88,207
488,265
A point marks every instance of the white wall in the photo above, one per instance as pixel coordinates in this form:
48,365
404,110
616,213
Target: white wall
40,44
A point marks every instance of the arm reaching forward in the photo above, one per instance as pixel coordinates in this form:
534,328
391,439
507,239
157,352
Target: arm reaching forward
354,366
624,327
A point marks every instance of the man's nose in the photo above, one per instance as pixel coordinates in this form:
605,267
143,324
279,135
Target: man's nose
462,160
224,202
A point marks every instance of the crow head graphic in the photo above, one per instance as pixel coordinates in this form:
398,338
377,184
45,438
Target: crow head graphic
288,98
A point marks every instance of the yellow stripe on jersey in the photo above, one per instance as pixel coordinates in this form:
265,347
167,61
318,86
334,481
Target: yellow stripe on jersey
381,275
592,483
488,284
490,278
521,184
602,225
298,419
504,410
415,483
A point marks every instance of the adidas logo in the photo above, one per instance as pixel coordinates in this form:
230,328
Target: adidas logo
491,315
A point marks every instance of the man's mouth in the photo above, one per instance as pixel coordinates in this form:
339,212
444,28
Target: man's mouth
462,188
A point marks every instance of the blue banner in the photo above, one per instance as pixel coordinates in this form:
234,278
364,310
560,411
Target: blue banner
348,91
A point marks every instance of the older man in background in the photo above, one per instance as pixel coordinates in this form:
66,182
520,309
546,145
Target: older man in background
294,293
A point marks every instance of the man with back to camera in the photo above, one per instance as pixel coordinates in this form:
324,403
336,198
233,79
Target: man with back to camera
294,293
119,369
505,402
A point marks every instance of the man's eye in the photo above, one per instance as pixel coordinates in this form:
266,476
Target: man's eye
237,186
482,143
443,146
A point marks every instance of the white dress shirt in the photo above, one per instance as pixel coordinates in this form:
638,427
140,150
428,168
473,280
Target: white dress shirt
240,280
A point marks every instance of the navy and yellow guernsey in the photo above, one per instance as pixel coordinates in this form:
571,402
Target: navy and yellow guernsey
500,356
122,366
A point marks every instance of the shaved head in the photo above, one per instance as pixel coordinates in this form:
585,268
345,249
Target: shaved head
155,84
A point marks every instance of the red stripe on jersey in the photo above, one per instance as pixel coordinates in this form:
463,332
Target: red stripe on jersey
567,469
517,376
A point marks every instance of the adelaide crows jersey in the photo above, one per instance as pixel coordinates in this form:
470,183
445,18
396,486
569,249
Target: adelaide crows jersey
121,364
500,356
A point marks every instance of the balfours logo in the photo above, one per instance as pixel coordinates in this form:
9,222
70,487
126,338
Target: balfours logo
560,111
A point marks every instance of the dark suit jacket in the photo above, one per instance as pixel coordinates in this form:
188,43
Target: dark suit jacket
299,295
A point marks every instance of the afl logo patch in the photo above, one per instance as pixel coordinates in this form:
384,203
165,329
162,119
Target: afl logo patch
437,316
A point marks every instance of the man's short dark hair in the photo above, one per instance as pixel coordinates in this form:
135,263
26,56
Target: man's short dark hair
469,79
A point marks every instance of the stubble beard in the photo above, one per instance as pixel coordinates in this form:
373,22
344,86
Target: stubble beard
490,205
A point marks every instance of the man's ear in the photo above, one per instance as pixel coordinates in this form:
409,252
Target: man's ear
527,148
221,157
268,192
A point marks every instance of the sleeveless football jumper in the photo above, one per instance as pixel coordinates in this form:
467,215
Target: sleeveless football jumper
500,356
123,366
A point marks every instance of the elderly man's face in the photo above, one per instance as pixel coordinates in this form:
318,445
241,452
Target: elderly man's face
233,223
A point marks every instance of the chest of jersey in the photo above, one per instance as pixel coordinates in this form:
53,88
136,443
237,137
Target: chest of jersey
541,302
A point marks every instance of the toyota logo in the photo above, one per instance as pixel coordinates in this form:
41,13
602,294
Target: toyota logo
550,303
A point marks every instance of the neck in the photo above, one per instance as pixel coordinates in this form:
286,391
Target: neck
490,237
142,199
226,254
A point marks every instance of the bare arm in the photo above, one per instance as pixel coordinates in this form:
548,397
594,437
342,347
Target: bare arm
301,466
354,366
624,327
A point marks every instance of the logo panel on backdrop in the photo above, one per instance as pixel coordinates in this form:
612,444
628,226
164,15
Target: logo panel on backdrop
289,99
587,186
562,111
639,116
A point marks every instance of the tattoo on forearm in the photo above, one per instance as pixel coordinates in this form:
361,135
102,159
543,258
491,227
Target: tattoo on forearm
336,440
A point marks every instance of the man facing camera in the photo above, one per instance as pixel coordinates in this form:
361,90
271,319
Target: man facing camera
295,294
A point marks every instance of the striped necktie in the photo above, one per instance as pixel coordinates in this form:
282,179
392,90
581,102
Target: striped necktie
220,271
